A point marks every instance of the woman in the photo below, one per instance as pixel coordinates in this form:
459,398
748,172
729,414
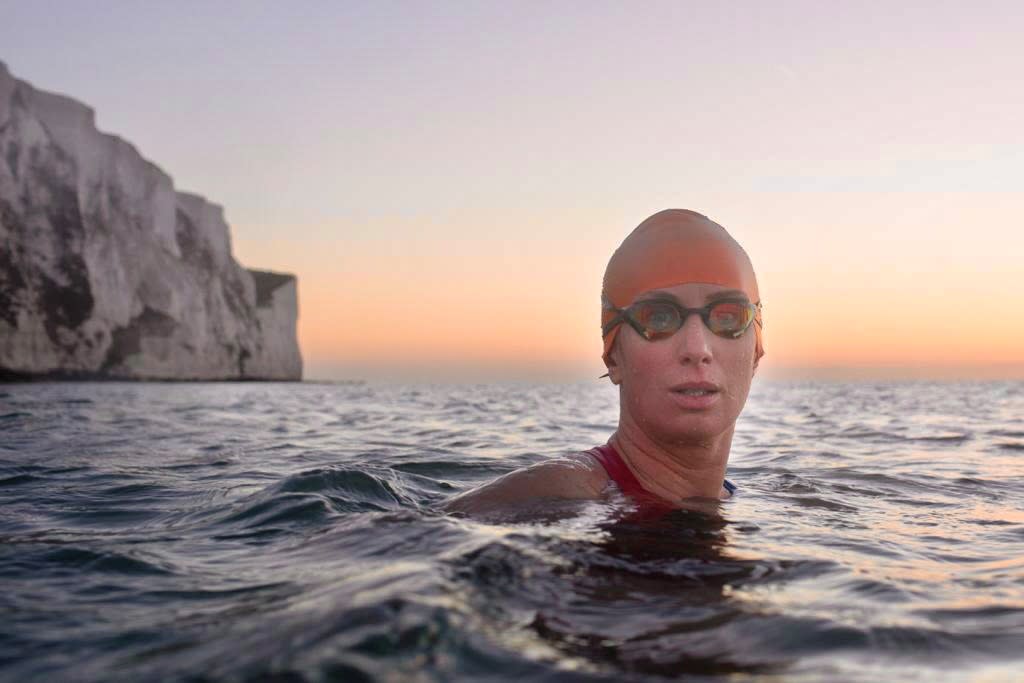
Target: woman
681,319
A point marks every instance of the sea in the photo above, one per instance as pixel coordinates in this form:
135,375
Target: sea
294,532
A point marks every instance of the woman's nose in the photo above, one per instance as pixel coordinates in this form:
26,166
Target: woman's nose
693,342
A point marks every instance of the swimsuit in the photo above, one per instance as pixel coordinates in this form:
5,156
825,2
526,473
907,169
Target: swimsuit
624,477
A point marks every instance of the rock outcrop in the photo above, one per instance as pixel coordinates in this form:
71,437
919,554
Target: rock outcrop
107,272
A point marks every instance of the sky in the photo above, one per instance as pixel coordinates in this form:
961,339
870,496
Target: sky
448,180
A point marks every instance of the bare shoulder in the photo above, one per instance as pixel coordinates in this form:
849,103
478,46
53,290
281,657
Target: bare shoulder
576,476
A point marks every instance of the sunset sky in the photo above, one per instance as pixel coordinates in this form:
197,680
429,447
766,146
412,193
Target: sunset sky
448,180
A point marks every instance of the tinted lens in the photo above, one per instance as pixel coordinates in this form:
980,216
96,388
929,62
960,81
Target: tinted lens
730,318
657,319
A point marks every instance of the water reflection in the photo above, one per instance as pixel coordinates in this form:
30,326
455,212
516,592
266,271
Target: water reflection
647,591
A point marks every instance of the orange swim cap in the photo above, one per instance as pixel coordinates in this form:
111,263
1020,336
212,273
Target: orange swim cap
673,247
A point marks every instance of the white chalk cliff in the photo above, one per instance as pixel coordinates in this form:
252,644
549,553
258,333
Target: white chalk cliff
107,272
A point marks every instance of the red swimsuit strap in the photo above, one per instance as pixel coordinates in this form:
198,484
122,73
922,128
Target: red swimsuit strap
627,482
618,471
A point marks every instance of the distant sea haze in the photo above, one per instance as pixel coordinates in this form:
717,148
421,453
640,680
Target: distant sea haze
583,368
254,531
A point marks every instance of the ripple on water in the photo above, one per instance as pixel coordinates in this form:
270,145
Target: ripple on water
53,560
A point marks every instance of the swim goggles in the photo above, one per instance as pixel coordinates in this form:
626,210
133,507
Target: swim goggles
660,318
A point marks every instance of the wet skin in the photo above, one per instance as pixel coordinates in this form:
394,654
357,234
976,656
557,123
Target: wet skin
676,445
648,371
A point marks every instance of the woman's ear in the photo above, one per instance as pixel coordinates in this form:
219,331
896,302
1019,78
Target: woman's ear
611,362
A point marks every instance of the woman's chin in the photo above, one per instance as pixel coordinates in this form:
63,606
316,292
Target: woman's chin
692,431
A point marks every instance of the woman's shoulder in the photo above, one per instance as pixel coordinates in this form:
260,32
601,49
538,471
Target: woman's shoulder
581,472
572,476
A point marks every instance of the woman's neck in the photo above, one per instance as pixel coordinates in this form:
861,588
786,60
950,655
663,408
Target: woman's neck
674,472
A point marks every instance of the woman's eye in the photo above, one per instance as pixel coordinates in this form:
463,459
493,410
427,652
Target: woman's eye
661,319
728,315
725,318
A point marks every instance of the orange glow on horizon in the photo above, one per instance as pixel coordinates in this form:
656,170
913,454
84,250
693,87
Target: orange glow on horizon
512,298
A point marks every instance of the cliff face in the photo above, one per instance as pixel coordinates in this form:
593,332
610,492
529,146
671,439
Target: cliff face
107,271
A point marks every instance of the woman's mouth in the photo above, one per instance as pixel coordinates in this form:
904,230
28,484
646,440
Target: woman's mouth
695,396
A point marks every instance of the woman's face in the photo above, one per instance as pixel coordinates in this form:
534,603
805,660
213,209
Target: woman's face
653,375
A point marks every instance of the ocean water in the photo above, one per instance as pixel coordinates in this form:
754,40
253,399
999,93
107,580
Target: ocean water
291,532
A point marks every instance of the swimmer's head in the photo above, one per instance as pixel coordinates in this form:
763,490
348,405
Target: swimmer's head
674,247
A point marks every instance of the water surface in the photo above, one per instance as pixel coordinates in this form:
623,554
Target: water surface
291,532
